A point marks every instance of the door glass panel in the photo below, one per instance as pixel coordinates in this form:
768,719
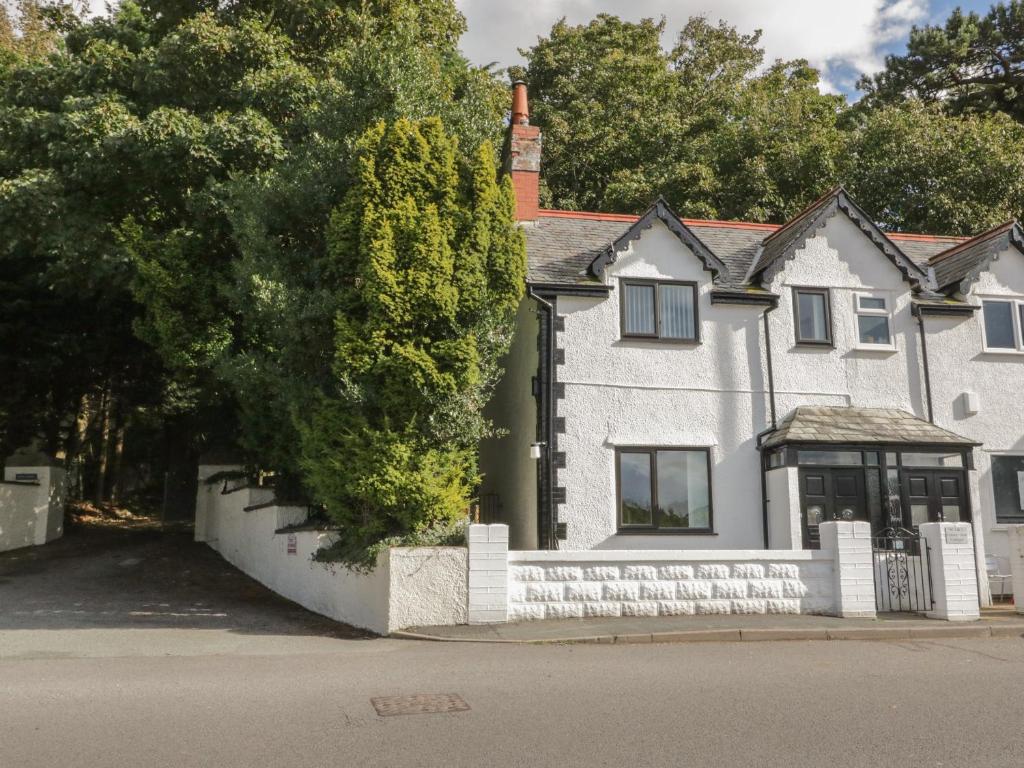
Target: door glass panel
815,485
918,514
911,459
951,513
892,490
635,479
815,514
890,459
918,486
871,458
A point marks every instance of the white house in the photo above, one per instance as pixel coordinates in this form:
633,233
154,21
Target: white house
682,384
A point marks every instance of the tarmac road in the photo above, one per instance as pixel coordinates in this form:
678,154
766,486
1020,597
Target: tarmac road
248,680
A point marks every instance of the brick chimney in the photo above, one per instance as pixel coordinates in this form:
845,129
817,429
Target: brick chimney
523,156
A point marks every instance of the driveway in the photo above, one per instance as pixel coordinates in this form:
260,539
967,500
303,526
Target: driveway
131,591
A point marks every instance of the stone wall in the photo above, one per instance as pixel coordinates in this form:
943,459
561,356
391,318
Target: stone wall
554,585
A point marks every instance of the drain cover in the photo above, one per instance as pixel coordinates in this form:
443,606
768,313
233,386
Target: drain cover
419,704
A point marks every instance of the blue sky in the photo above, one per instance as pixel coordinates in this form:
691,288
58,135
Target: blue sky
842,39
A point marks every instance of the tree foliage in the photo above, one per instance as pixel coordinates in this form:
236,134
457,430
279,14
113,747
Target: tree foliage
971,64
625,120
429,269
721,135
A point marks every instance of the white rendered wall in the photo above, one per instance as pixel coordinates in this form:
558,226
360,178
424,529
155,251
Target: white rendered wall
505,462
621,392
840,257
784,521
31,512
959,364
556,585
419,586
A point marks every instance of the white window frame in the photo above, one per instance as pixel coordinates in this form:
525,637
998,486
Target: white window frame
859,311
1016,307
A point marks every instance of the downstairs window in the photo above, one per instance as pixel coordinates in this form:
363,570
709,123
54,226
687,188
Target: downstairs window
664,489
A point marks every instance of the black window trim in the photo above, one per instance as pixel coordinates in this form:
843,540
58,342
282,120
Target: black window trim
829,339
656,336
1004,519
653,529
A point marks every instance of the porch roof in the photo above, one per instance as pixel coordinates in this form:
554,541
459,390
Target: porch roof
860,426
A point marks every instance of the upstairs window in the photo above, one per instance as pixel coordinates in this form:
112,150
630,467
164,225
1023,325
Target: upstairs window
1003,323
659,310
813,316
874,328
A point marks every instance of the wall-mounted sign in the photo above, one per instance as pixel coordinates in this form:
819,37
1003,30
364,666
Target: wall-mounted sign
26,477
293,544
957,536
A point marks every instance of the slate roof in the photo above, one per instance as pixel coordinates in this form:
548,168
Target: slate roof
859,426
563,244
966,259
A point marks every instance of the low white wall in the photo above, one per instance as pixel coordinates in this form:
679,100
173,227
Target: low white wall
549,585
418,586
31,506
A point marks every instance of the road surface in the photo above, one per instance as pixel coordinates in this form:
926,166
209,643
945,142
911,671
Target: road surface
244,679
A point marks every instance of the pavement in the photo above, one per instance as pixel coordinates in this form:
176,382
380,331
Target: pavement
1001,621
119,650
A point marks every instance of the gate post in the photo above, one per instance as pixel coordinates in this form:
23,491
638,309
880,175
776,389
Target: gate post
1016,533
854,576
953,571
488,574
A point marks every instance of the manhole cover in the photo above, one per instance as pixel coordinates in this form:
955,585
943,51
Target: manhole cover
419,704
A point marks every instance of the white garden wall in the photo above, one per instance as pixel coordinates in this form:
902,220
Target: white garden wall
417,586
557,585
31,505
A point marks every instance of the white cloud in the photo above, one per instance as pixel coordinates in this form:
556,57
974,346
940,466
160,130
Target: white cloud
835,37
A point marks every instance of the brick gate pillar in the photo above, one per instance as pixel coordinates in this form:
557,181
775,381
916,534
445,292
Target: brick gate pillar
854,577
953,571
488,574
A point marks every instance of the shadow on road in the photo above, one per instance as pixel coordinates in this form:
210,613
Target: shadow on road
143,578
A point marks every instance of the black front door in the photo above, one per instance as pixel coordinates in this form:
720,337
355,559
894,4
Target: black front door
934,495
828,493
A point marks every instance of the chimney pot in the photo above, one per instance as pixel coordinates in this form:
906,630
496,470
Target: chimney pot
520,106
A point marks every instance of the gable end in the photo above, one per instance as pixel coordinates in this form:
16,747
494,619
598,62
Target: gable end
660,211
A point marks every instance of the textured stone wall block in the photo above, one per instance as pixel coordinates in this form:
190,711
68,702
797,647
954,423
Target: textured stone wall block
713,571
693,590
677,607
582,592
657,590
748,571
601,573
640,572
640,609
675,572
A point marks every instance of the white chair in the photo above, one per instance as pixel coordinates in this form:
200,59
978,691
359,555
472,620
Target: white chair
992,569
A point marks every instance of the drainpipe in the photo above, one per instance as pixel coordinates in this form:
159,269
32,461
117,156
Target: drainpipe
545,511
924,356
774,422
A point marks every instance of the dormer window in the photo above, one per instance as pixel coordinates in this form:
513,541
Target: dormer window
813,316
874,330
659,310
1004,324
